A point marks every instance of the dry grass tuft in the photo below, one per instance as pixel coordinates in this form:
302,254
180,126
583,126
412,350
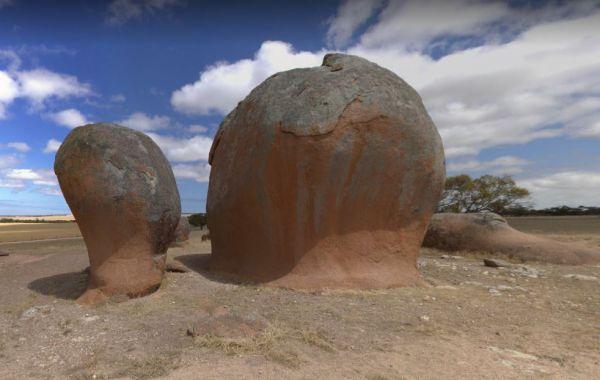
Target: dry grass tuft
271,344
274,344
152,367
316,338
260,344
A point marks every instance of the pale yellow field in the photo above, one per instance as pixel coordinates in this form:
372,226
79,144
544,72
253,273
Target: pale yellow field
14,232
50,218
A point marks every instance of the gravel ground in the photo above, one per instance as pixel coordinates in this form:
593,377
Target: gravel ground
465,321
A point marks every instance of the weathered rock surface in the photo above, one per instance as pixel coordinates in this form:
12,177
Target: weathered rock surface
325,178
182,232
489,232
122,192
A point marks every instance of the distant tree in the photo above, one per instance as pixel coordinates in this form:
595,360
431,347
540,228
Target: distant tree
486,193
198,220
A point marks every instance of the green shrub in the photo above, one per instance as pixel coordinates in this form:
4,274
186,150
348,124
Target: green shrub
198,220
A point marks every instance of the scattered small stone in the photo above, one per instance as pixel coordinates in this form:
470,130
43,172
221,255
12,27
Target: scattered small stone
494,292
474,283
90,318
581,277
526,271
35,310
513,353
424,318
176,267
503,287
3,253
446,287
507,288
495,263
450,257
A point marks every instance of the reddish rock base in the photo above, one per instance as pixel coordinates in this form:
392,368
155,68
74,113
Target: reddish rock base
360,260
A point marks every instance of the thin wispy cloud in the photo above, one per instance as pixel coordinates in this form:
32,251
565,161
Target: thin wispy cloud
122,11
5,3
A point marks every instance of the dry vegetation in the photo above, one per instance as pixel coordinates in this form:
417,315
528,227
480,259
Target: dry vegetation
16,232
465,321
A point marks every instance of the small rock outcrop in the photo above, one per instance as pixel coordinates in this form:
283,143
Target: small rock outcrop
122,192
490,233
324,177
182,232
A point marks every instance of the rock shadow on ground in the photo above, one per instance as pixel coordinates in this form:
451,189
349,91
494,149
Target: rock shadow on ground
199,263
68,286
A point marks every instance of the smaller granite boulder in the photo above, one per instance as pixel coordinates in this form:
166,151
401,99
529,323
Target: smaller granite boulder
182,232
122,192
490,233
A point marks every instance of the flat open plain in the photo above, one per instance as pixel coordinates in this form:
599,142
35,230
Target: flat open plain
19,232
466,321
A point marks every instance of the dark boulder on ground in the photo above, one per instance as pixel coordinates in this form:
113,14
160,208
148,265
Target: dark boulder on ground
325,177
122,192
490,233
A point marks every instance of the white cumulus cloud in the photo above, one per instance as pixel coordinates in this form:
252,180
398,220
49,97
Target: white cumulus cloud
351,14
542,83
222,85
500,165
41,84
9,91
183,150
143,122
19,146
23,174
8,160
52,146
37,86
42,177
197,128
11,184
198,172
571,188
69,118
413,23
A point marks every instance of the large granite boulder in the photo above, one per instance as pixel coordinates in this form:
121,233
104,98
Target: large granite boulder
122,192
324,178
490,233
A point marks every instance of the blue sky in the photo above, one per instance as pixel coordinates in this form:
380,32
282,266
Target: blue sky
514,87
